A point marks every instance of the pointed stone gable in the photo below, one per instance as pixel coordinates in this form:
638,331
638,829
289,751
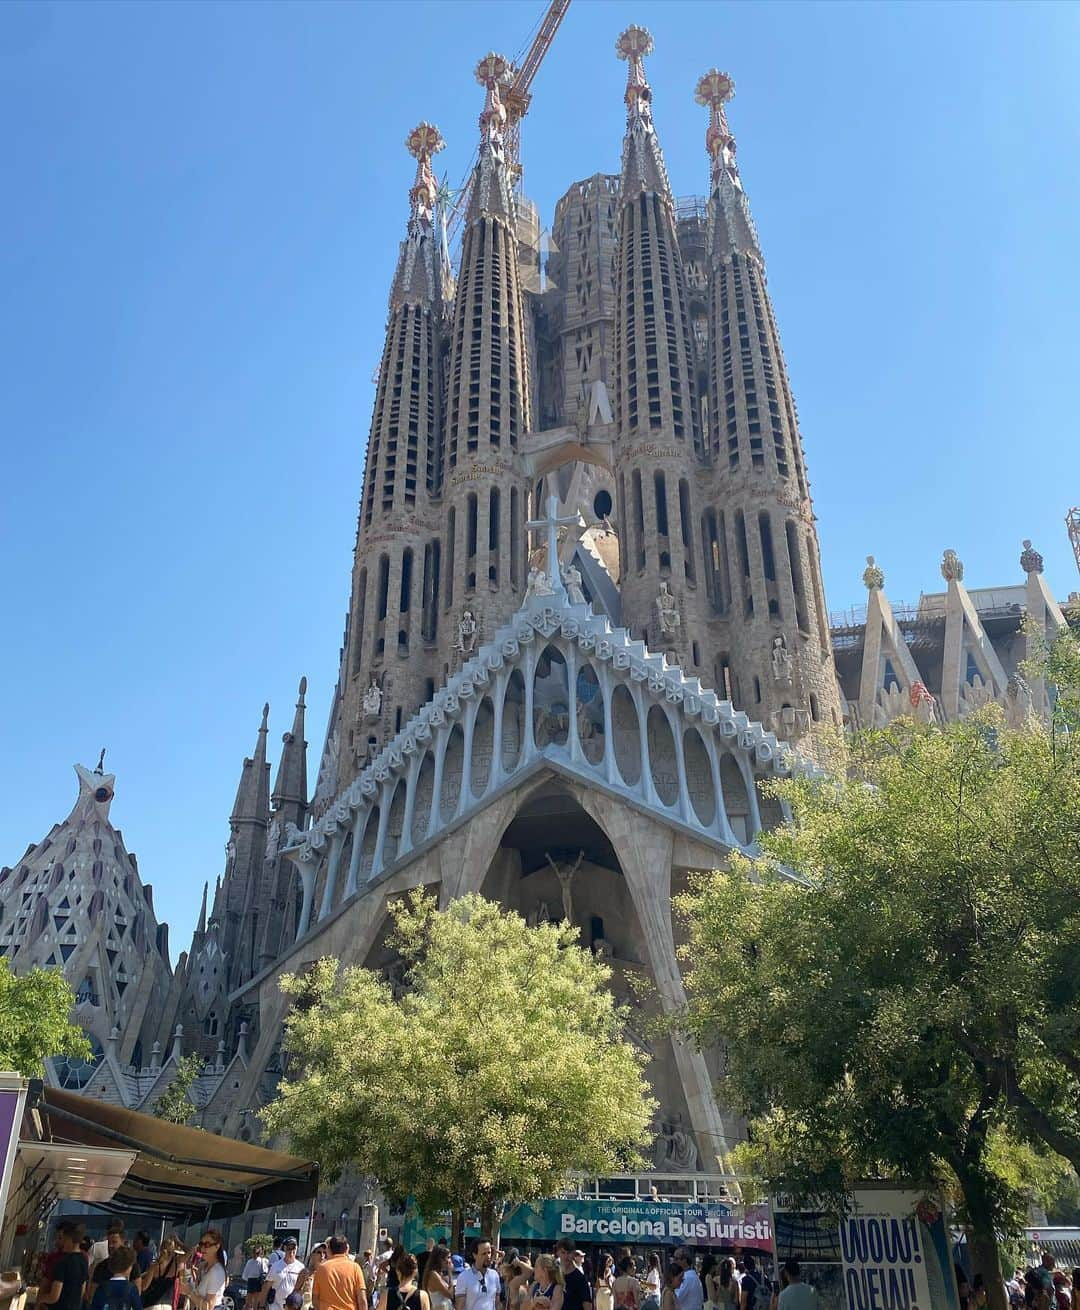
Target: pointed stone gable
75,902
557,687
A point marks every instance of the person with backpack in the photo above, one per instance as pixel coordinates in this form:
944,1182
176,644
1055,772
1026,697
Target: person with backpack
118,1292
756,1292
407,1295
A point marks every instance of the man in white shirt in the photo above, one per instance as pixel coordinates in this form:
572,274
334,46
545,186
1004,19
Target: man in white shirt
282,1277
276,1257
797,1295
478,1287
689,1295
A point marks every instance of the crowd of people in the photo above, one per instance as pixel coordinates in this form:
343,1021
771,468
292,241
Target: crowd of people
570,1279
1042,1287
114,1274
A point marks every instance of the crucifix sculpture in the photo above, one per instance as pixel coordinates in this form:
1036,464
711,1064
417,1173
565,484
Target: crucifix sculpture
551,524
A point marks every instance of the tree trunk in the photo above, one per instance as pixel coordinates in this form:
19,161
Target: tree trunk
982,1240
489,1217
457,1228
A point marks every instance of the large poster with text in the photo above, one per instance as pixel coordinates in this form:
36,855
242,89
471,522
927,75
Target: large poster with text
893,1259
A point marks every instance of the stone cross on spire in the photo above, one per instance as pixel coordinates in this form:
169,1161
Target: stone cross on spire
633,45
714,90
422,142
492,72
550,525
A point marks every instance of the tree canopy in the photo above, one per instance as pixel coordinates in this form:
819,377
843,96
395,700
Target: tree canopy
907,1002
499,1069
175,1104
35,1020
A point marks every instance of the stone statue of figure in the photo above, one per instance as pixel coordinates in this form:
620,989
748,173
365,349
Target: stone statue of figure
273,837
372,700
572,579
468,630
538,584
683,1152
781,661
565,874
1018,702
585,725
666,611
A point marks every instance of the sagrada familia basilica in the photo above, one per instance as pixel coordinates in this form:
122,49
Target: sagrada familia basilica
586,620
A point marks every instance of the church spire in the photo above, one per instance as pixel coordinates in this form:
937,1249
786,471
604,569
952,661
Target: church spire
252,798
290,785
200,927
492,191
643,167
657,427
418,279
731,227
768,581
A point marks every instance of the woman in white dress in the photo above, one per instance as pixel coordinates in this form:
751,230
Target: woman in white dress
438,1279
205,1289
603,1296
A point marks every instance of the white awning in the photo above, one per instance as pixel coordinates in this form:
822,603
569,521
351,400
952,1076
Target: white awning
77,1173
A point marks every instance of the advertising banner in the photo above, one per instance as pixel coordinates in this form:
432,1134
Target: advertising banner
626,1223
893,1259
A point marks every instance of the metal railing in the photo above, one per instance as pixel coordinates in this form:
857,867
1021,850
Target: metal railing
654,1187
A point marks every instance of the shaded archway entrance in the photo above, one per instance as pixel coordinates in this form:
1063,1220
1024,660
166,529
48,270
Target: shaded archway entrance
554,857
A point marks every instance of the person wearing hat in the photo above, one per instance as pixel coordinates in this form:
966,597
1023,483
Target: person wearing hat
282,1278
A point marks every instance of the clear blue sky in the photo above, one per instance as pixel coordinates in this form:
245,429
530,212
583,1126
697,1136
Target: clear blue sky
201,209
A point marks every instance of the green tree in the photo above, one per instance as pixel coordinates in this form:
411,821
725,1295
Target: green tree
35,1020
500,1069
909,1003
174,1104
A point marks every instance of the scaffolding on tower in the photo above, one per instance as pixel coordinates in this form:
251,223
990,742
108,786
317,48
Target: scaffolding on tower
1072,523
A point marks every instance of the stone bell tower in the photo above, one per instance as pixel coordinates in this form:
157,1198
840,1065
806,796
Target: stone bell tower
764,569
398,557
658,440
488,407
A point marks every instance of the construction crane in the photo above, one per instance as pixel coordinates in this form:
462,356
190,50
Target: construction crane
516,99
1072,523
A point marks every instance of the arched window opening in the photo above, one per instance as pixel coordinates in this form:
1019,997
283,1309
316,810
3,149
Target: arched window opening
743,551
405,600
493,536
451,544
384,586
768,559
687,531
798,582
639,521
